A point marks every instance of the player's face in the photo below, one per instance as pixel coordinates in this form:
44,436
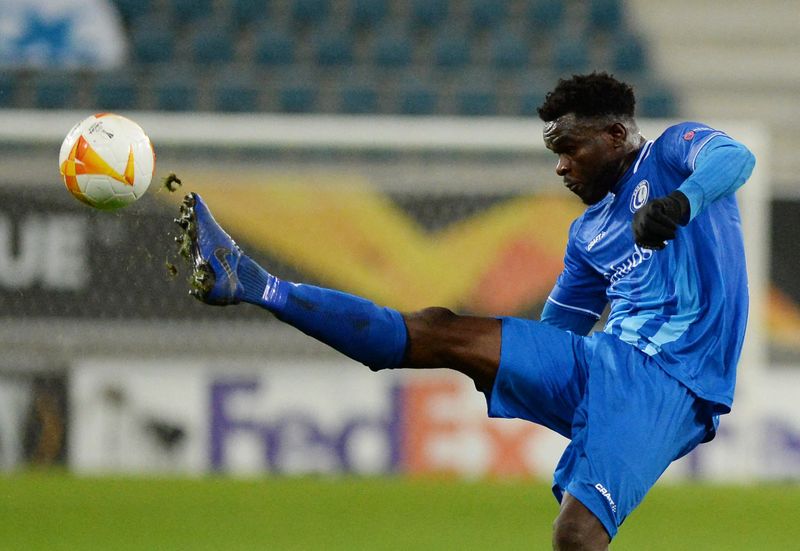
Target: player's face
588,155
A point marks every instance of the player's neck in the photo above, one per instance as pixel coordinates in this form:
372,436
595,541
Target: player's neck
619,169
630,157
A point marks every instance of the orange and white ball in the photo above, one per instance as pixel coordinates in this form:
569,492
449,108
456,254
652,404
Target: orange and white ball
107,161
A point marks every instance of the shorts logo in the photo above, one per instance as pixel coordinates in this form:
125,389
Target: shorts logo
606,494
689,135
640,194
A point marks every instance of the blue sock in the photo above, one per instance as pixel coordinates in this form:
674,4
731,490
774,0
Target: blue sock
356,327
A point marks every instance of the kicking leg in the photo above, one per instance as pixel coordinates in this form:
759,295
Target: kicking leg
378,337
438,338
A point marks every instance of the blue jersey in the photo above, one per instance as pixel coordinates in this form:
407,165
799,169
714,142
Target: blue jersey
685,305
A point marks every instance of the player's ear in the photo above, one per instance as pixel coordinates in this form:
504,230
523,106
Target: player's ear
618,133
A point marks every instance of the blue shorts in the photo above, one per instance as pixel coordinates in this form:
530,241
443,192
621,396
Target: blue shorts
626,417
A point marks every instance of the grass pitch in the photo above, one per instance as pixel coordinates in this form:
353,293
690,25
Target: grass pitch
61,512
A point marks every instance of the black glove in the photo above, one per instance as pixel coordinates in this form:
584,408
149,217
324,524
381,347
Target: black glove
657,221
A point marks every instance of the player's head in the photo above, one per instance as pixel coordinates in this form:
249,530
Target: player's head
589,124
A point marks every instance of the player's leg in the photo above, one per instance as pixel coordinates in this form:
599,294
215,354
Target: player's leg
438,338
543,377
379,337
576,528
634,420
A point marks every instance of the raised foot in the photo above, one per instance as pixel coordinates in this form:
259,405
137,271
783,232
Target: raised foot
210,251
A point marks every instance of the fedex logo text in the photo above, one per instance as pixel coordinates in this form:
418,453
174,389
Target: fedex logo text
419,427
295,441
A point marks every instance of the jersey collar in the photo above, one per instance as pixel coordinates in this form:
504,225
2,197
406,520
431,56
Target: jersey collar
644,152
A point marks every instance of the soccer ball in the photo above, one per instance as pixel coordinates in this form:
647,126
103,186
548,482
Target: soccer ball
107,161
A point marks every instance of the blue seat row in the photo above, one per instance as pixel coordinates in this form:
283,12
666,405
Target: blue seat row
211,43
226,41
182,88
420,14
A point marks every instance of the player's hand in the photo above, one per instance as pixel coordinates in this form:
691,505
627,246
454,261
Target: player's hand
657,221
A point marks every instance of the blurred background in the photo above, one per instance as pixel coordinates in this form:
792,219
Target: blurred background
387,148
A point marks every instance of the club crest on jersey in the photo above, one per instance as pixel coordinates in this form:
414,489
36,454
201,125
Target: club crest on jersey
640,194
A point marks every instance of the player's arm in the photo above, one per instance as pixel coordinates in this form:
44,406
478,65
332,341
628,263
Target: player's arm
568,319
578,297
720,168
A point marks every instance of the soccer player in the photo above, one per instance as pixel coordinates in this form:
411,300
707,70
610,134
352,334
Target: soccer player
659,242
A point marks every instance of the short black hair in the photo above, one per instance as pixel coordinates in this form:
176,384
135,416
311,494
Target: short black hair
592,95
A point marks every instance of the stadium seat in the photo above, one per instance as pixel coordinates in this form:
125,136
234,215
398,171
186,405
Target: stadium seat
418,102
368,13
451,49
508,50
392,48
570,55
190,10
274,46
298,99
333,48
130,10
236,91
248,12
115,90
657,102
487,14
528,104
629,54
417,97
530,90
153,40
545,15
428,13
298,92
55,90
472,101
605,15
175,89
474,92
8,88
211,43
309,12
358,95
